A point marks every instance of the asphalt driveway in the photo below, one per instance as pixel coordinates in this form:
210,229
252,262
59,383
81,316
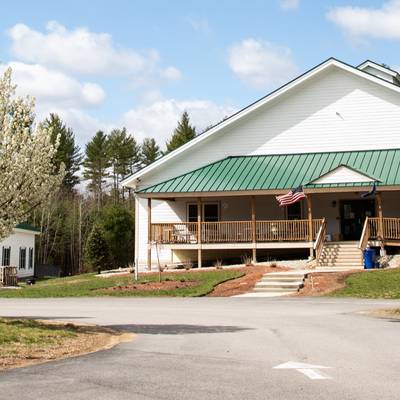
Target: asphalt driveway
217,348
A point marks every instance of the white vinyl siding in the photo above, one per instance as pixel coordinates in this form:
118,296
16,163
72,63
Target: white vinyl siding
343,175
19,239
333,111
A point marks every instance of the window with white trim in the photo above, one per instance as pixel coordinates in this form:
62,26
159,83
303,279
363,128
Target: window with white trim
6,255
30,258
22,257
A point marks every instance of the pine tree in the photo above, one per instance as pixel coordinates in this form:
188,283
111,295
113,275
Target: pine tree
150,151
124,155
97,253
96,164
68,152
182,134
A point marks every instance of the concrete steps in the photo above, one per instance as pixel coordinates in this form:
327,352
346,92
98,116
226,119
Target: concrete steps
280,283
341,254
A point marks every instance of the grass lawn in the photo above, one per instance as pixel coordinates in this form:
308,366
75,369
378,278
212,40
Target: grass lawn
201,283
372,284
26,341
18,338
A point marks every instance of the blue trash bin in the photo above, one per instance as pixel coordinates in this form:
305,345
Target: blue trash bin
369,258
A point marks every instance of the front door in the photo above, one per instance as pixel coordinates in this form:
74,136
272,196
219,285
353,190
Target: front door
352,217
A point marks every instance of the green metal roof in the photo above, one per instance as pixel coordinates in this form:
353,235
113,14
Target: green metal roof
27,227
274,172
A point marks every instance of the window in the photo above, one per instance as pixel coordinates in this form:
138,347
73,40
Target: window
22,257
294,211
192,212
6,255
30,259
210,212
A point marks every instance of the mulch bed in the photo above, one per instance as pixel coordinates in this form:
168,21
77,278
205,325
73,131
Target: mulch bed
318,284
151,286
244,284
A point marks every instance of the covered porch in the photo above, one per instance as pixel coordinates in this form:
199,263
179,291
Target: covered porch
231,205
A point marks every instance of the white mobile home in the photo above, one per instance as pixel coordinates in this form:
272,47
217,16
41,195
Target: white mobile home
334,131
18,250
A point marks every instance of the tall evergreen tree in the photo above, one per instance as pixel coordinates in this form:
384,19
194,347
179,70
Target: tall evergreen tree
68,152
150,151
96,164
124,155
182,134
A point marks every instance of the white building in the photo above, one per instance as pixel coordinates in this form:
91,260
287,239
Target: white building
18,250
334,130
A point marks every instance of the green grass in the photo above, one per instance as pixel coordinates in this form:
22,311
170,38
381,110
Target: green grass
383,284
90,285
26,332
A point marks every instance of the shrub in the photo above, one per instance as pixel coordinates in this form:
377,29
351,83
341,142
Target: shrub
97,255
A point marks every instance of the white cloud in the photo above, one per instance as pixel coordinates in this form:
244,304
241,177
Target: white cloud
80,51
160,118
171,73
200,25
49,86
364,22
83,124
261,64
289,4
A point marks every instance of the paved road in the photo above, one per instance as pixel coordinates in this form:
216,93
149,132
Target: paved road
217,348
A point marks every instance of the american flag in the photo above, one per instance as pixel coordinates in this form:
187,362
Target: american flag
292,197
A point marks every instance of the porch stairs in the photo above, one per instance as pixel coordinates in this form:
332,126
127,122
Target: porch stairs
340,255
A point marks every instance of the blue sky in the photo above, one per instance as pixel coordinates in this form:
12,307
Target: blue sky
103,64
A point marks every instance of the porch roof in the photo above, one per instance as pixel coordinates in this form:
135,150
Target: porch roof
283,171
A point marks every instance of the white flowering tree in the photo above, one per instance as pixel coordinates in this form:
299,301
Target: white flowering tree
27,175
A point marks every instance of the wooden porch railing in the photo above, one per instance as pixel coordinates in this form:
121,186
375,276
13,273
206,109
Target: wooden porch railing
380,229
320,240
226,232
285,230
171,233
235,231
366,234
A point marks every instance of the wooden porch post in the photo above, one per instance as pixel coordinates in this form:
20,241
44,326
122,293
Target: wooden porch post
380,215
310,223
199,261
149,234
253,228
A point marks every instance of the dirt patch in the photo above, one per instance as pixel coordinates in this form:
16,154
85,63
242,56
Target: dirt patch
87,339
244,284
320,283
392,313
150,286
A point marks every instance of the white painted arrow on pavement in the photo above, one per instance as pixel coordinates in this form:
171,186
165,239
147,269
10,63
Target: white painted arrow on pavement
309,370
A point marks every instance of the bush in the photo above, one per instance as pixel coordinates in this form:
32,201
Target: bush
97,255
118,224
